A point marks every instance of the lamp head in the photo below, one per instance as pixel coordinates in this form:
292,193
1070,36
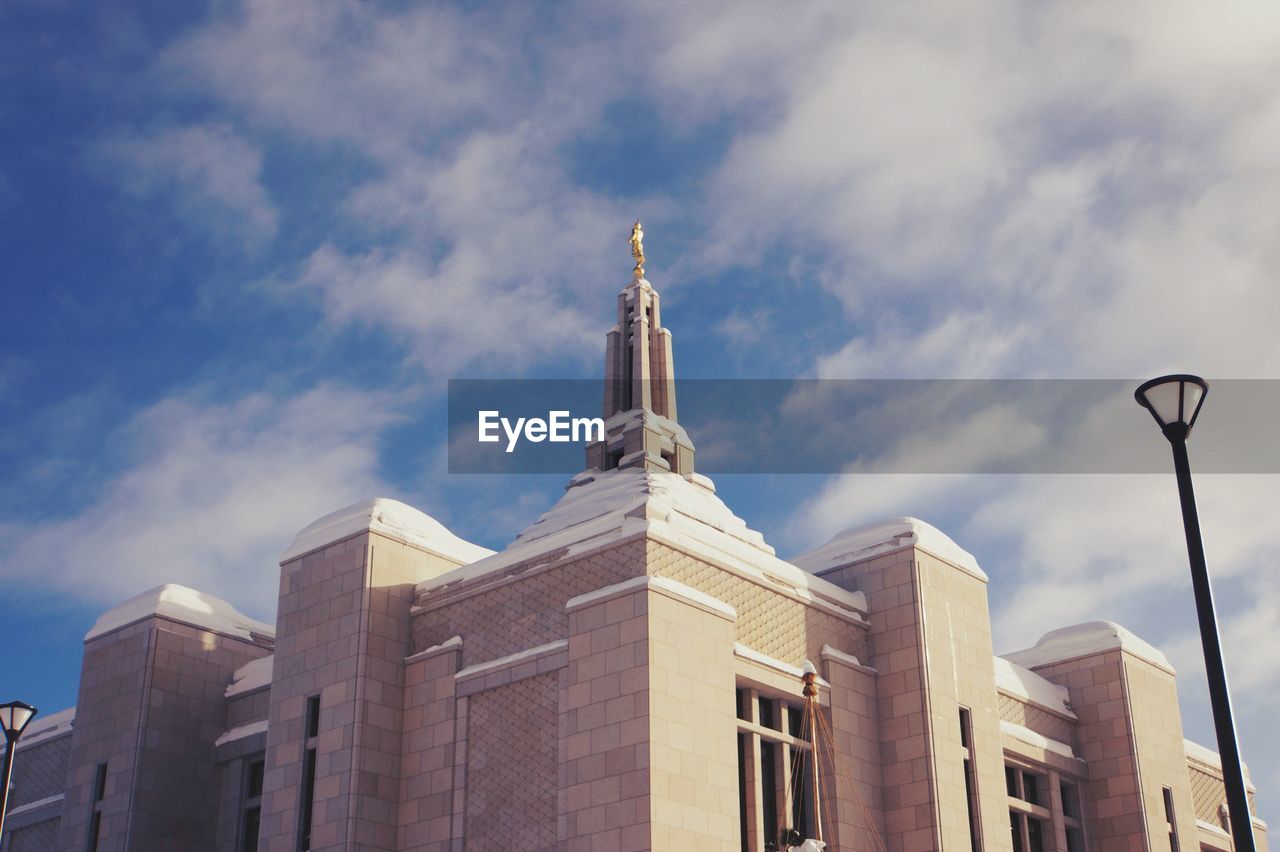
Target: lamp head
14,718
1174,401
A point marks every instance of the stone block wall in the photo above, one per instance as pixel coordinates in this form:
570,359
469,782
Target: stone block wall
344,631
1127,768
151,705
855,729
930,644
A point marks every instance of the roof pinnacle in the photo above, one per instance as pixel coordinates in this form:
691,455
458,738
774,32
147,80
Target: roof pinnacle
637,249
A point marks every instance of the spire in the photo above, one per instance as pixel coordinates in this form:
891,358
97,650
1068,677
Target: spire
639,384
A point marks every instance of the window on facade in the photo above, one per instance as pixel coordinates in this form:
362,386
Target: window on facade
1072,818
775,773
1029,820
95,817
1042,802
1170,820
970,781
308,792
251,811
95,830
100,783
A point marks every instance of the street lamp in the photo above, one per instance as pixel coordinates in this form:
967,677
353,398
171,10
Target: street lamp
14,718
1174,402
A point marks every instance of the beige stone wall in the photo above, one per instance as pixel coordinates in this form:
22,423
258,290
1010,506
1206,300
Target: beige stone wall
512,766
1130,733
520,607
151,705
1162,759
769,621
855,791
1104,739
605,791
431,760
113,680
344,630
648,749
1208,793
527,601
693,746
961,673
248,707
930,643
1051,725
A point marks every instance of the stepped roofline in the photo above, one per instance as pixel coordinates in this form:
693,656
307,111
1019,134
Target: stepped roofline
602,507
1085,640
389,518
181,604
865,541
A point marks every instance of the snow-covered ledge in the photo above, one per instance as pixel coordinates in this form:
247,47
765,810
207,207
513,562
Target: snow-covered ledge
860,543
390,519
186,606
1087,640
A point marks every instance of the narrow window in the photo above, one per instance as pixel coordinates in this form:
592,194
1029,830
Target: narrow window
100,783
1072,817
766,714
1035,835
970,782
769,787
251,812
313,716
308,800
1170,820
742,783
95,828
95,817
305,812
1031,788
1015,827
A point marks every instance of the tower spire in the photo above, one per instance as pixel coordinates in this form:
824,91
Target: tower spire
639,384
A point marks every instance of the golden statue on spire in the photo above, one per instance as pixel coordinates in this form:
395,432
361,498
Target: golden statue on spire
637,249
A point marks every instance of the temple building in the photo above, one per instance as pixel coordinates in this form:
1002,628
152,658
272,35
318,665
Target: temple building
627,674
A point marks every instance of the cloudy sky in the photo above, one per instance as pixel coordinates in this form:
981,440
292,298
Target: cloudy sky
247,246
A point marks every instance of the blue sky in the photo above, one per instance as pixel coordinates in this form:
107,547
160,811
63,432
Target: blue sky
245,248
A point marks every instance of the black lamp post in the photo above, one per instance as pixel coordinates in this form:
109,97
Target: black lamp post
14,718
1174,402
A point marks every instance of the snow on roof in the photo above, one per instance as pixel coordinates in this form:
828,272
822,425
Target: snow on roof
1207,756
30,807
47,727
1030,737
258,727
1023,683
1082,640
863,542
599,507
254,674
389,518
181,604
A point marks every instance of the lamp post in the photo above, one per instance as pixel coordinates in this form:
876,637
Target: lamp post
1174,401
14,718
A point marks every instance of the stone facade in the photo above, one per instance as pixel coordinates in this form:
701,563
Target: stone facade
625,676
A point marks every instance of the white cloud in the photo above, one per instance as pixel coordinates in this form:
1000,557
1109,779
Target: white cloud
482,251
1008,190
450,315
336,71
214,172
213,498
